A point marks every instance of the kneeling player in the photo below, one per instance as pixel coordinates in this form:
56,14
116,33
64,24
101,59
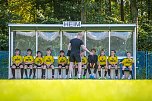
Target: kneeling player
17,63
92,63
127,63
28,63
102,63
48,62
112,62
39,63
62,62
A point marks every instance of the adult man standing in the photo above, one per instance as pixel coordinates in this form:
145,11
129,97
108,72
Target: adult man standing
74,53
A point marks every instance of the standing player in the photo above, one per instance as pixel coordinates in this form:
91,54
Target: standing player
62,62
48,61
112,62
39,63
102,63
92,63
74,53
17,63
28,63
127,63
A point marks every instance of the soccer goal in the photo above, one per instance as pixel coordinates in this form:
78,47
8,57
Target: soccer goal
119,37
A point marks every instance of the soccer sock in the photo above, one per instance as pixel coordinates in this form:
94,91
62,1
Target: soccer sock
131,72
105,73
108,72
44,72
76,71
59,71
13,72
67,71
116,72
122,72
31,72
99,72
52,72
34,71
85,71
26,72
22,72
89,70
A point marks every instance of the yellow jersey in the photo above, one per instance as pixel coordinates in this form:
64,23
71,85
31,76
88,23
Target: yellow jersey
127,62
38,60
17,59
102,60
112,60
29,59
48,59
62,60
84,60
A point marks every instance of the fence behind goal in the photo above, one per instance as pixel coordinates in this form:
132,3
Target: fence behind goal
144,64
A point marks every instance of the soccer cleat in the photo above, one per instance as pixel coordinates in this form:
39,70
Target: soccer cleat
84,77
123,77
66,77
79,76
109,77
116,77
99,78
60,76
129,77
104,77
70,76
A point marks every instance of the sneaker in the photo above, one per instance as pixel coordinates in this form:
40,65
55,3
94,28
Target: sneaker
129,77
60,76
109,77
70,77
105,77
66,77
123,77
79,76
116,77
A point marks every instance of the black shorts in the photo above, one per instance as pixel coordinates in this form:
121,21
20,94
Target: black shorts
28,65
48,66
62,65
102,65
38,65
16,65
75,57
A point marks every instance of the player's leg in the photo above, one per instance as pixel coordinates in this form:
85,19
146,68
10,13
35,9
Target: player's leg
13,67
59,70
22,70
123,74
130,71
116,71
66,71
43,71
106,69
95,70
76,70
109,71
89,70
52,67
99,71
25,69
85,72
32,68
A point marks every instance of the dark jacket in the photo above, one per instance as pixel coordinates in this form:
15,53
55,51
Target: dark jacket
92,58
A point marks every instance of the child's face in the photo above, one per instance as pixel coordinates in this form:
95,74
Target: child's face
29,52
62,53
48,52
17,52
128,55
39,54
102,53
112,53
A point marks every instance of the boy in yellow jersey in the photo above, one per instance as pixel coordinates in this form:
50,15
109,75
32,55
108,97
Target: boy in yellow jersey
62,62
17,63
102,63
112,62
92,63
127,63
39,63
28,63
48,62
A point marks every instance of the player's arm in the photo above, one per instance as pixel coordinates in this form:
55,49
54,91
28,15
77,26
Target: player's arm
86,49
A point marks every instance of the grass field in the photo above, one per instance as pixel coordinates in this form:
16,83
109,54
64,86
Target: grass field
75,90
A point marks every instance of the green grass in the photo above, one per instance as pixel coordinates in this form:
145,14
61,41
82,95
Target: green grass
75,90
